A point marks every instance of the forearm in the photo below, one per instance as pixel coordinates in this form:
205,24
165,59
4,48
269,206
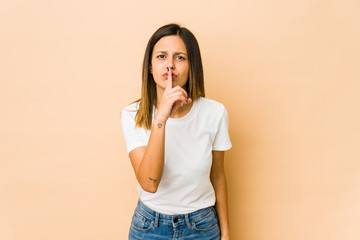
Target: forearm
221,205
148,162
150,170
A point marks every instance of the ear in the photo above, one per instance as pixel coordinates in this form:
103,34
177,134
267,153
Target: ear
150,69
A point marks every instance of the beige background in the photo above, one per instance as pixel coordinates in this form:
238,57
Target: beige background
287,71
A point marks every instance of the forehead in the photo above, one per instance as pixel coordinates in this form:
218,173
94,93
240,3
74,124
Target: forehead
171,43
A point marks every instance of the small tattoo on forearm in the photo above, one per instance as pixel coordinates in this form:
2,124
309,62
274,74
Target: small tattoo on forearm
159,125
154,180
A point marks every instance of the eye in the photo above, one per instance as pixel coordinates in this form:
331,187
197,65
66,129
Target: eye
161,56
180,58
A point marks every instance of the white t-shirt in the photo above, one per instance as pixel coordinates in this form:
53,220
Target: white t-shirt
189,141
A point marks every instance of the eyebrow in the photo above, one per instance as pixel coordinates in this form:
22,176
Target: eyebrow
176,53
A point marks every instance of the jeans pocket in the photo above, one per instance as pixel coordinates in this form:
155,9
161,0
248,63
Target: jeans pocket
141,223
206,223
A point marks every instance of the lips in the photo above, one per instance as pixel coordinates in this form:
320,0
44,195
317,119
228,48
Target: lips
166,75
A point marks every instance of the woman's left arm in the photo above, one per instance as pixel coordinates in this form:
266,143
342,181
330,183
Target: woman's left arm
218,180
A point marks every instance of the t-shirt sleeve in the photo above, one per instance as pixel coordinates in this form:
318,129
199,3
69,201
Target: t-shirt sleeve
134,136
222,139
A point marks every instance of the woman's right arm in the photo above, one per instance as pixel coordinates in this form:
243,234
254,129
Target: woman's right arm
148,161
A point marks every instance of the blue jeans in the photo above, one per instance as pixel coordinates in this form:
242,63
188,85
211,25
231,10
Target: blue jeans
151,225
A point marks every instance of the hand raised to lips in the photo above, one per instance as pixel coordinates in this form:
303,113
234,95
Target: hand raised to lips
166,75
172,99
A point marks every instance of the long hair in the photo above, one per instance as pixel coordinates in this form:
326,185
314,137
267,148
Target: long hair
194,86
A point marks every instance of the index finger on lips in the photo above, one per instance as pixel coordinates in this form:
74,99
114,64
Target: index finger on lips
169,80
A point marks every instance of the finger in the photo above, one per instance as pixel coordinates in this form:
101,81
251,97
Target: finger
174,98
179,89
169,80
180,102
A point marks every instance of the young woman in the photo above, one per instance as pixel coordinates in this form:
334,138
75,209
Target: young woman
176,140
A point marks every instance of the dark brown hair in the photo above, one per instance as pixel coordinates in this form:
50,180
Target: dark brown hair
194,86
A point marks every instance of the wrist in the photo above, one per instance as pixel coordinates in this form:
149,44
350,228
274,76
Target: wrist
225,235
159,122
160,119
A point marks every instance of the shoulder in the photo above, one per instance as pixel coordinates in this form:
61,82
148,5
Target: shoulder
130,110
210,105
132,107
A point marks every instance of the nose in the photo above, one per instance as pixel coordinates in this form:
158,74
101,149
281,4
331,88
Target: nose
170,64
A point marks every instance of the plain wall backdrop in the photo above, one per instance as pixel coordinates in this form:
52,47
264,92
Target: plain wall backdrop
287,72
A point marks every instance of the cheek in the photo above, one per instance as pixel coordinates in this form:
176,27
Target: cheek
186,72
156,67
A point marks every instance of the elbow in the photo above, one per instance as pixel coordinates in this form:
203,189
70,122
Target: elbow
149,189
154,190
149,184
219,179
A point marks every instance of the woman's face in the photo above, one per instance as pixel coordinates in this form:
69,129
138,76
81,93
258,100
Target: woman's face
170,52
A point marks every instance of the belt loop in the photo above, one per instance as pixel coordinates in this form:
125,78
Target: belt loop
157,220
187,221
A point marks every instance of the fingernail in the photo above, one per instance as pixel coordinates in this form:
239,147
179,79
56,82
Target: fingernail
186,101
167,69
187,97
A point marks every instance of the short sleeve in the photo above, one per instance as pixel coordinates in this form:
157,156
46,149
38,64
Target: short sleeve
222,139
134,136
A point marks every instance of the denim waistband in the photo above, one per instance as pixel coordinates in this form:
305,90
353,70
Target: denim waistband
172,219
